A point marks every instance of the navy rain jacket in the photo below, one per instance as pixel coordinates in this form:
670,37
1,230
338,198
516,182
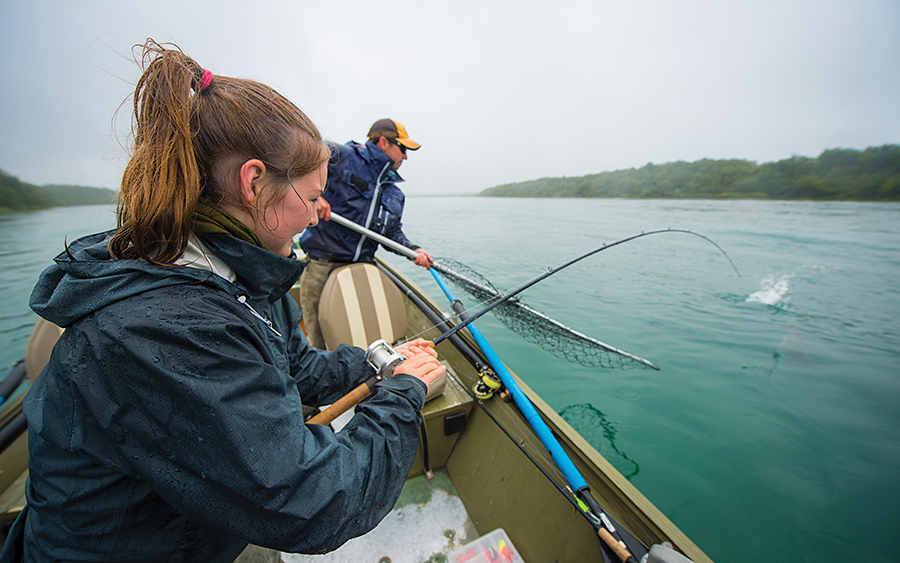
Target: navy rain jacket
362,188
168,423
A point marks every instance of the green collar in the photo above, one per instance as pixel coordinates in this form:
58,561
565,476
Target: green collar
208,219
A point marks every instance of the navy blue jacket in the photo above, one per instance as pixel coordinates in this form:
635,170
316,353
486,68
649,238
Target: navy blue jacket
362,188
168,423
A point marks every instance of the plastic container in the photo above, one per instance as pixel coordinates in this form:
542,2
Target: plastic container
493,547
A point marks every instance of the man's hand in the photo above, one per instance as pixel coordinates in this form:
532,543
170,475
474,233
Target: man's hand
323,209
422,259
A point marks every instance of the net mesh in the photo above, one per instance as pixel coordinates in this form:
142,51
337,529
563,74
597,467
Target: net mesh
537,328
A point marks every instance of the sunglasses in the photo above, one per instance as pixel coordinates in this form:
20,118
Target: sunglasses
402,148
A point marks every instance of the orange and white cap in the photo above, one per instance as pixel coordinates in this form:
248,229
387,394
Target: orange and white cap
393,130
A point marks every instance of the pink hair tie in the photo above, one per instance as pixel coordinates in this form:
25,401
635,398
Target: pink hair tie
205,80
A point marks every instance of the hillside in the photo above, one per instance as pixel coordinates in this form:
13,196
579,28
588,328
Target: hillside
837,174
16,195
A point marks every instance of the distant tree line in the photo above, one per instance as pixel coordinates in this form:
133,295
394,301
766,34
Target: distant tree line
16,195
837,174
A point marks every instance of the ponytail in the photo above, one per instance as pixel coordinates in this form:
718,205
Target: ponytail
161,184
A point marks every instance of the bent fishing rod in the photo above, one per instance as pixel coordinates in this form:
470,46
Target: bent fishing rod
532,325
381,350
500,299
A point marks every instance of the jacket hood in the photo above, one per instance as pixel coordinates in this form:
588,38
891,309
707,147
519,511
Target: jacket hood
86,278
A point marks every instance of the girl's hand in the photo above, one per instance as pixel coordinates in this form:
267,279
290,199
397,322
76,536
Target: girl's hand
422,362
426,346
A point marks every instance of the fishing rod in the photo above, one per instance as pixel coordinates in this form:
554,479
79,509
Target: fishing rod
585,501
374,350
532,325
475,359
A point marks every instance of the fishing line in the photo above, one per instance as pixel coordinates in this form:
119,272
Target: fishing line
559,339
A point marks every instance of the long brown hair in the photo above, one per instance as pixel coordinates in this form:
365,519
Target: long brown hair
190,140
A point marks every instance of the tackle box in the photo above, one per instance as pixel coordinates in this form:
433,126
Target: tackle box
493,547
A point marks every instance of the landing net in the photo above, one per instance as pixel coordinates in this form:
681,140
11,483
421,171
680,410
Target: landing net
536,327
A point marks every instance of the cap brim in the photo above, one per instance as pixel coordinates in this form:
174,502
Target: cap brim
409,143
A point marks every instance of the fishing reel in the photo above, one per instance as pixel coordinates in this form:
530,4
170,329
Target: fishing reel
383,358
487,384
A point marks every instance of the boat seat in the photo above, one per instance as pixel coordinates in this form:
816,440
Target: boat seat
359,305
40,344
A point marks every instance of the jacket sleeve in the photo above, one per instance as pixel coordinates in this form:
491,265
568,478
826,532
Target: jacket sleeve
321,376
194,405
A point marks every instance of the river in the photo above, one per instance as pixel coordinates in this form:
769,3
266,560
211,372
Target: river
771,431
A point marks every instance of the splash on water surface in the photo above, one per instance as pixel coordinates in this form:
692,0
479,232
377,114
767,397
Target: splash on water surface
772,291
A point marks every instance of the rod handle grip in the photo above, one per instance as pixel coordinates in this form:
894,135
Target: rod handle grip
342,405
623,554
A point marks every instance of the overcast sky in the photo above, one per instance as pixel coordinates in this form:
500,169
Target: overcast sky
496,91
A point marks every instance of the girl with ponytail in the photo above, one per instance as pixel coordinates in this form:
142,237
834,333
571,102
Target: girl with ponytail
168,425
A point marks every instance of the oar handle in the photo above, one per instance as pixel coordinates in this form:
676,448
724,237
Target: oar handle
393,245
343,404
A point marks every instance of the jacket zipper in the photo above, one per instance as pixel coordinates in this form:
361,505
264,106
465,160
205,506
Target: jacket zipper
378,183
243,299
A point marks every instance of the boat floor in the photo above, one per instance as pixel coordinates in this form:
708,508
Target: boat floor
428,522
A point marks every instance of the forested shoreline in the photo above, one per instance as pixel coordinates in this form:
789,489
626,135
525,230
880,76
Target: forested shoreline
872,174
16,195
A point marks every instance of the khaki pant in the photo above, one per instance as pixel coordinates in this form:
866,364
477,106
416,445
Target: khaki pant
311,284
256,554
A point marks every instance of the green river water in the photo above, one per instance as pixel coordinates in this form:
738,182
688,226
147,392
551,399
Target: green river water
772,430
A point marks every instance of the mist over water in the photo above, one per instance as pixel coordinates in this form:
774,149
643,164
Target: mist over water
771,431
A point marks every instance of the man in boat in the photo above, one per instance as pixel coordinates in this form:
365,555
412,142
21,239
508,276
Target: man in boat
362,187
